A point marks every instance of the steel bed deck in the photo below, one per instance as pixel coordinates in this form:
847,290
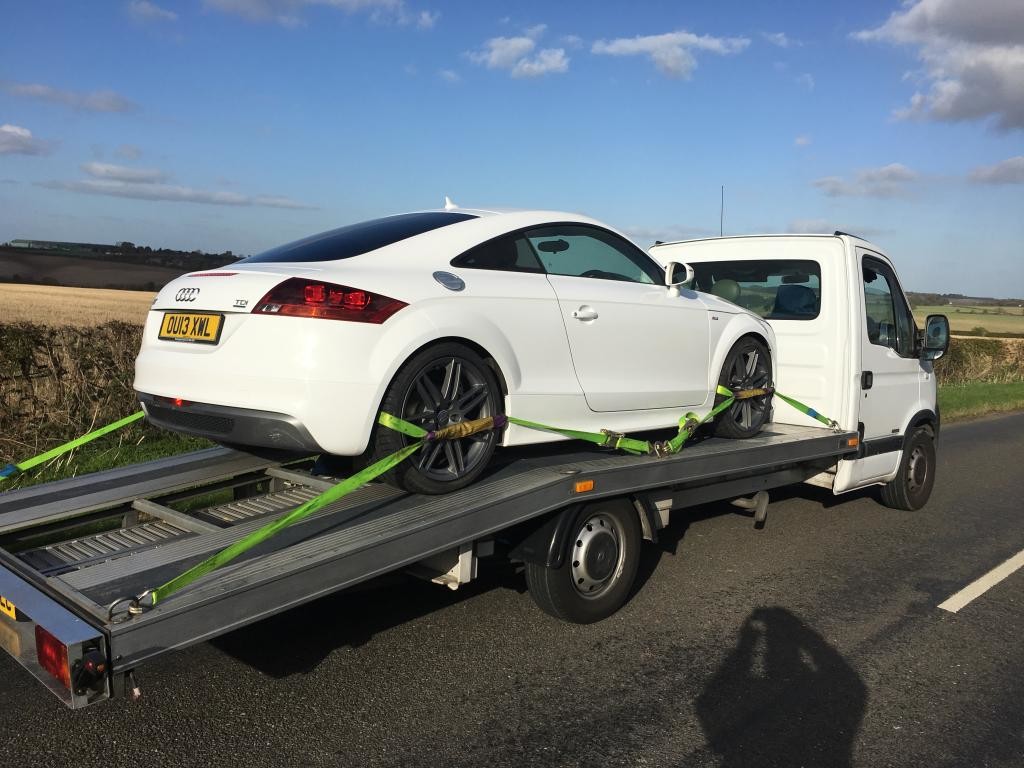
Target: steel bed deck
372,531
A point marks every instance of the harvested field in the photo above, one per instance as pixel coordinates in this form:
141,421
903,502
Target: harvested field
73,270
78,307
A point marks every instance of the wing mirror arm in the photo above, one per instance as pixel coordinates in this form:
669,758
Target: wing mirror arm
677,274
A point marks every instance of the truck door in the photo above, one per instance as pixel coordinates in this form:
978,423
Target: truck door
890,370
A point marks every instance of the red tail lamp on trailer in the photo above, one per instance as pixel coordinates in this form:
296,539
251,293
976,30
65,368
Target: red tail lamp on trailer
298,297
52,655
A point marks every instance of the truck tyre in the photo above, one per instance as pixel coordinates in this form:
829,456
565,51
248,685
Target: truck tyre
912,486
747,366
440,385
598,569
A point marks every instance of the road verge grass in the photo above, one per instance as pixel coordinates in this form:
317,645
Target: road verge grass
966,401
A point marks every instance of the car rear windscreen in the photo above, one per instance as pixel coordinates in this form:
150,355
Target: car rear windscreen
360,238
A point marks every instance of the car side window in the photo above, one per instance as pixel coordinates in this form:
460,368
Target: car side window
887,316
578,250
506,253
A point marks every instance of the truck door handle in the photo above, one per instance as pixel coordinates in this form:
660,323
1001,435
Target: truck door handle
867,379
585,313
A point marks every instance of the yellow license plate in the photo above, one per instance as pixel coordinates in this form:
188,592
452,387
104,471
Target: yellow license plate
191,326
7,608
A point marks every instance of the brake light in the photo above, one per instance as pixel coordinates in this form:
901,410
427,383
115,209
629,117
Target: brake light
52,655
298,297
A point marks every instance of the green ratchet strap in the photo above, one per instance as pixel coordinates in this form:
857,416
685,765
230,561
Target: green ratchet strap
246,543
688,425
807,410
14,469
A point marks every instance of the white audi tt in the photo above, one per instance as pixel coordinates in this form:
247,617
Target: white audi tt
439,317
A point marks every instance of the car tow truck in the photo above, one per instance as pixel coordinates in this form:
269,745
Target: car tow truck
74,552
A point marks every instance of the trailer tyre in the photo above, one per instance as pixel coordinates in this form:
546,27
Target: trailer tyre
913,484
598,568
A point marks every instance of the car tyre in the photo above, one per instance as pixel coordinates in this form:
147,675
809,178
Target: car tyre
747,366
438,386
598,569
912,486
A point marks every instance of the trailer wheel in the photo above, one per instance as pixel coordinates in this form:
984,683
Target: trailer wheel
913,484
599,567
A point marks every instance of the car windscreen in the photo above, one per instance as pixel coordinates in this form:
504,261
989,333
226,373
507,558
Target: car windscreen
775,289
360,238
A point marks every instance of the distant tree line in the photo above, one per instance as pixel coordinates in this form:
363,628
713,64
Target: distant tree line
934,299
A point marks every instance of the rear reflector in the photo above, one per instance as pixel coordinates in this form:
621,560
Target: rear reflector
53,656
298,297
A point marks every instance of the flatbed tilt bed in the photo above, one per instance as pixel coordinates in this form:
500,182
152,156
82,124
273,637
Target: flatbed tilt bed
70,550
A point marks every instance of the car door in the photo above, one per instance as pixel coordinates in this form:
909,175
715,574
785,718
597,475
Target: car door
890,371
634,346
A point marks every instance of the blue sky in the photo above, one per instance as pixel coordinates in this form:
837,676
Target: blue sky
242,124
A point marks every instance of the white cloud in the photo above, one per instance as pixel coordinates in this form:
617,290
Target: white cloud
803,140
514,55
546,61
170,193
973,56
781,39
145,11
1009,171
667,233
806,80
15,140
572,41
891,180
450,76
124,173
427,20
92,101
288,12
502,52
671,52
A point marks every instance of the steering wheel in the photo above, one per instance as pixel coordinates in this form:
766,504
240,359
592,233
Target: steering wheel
601,274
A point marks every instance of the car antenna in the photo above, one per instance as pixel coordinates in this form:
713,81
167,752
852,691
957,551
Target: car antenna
448,204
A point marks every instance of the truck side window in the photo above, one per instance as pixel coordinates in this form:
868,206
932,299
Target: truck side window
888,318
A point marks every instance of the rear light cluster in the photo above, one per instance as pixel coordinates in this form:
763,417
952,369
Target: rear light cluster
52,655
298,297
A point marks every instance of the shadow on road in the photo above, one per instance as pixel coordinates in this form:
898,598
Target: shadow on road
783,696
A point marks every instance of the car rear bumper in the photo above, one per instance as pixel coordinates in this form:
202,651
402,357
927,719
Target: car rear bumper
226,424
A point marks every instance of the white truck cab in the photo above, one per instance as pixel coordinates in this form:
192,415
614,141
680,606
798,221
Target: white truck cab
847,346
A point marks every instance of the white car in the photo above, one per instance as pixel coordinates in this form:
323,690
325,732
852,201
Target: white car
438,317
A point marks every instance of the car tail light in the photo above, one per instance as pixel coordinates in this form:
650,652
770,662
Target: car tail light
298,297
53,656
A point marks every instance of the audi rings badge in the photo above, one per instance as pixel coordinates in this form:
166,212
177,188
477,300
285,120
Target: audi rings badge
186,294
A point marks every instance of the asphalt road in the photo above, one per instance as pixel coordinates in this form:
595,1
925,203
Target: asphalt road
815,642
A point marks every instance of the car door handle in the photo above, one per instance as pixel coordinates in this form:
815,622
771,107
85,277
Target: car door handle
867,379
585,313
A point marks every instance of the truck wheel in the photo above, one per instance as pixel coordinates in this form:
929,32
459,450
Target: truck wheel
913,484
747,366
598,569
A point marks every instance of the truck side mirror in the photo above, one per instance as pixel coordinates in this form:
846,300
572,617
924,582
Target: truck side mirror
936,337
677,274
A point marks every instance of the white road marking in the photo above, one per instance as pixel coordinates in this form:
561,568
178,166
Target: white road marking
981,586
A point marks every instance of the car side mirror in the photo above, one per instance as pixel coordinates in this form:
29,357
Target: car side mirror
936,337
677,274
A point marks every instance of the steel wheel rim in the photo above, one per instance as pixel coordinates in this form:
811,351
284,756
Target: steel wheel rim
448,391
917,470
749,370
598,556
